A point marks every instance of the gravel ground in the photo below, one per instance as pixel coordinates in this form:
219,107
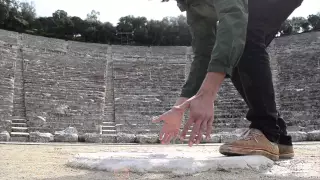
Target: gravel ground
47,161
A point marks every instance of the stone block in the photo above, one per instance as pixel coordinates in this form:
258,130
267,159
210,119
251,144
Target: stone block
229,137
298,136
4,136
41,137
68,135
109,138
148,138
19,139
92,138
126,138
214,138
5,125
38,121
314,135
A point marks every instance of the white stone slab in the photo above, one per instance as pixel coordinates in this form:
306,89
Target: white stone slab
176,163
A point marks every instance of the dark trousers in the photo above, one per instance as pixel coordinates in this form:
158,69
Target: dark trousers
252,76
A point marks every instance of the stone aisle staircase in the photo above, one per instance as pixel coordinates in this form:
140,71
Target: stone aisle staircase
109,128
19,130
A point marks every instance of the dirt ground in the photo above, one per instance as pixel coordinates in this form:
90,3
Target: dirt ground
48,162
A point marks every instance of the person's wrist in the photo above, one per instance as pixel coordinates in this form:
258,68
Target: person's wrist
211,84
180,101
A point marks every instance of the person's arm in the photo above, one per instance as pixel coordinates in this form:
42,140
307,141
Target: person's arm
231,35
228,48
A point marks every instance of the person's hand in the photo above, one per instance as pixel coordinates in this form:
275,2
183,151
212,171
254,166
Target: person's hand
172,123
200,117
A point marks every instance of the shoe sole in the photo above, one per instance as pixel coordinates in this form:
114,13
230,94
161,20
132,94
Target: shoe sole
286,156
241,151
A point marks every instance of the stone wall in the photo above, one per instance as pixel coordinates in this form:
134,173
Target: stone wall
298,59
146,83
55,84
64,84
8,61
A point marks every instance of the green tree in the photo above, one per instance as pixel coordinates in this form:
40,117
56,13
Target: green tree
314,20
93,16
64,25
28,11
297,23
286,28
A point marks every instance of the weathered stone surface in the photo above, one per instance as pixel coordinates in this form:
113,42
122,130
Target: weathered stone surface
126,138
68,135
214,138
314,135
4,136
38,121
5,126
19,139
71,130
229,137
175,163
295,128
109,138
148,138
298,136
41,137
92,138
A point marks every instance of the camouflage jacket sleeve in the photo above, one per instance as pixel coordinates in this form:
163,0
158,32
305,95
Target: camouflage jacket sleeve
231,35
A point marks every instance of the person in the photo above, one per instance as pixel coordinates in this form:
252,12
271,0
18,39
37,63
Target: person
235,48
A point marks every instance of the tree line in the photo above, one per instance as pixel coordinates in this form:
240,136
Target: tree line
170,31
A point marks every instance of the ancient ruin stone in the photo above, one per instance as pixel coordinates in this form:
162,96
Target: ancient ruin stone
229,137
126,138
71,130
4,136
298,136
68,135
109,138
63,109
5,125
314,135
41,137
92,138
38,121
148,138
214,138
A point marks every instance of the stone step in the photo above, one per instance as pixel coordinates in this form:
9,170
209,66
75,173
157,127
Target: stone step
19,139
19,124
19,129
19,120
109,131
108,123
19,134
108,127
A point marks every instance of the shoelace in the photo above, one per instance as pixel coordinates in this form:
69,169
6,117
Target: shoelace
250,134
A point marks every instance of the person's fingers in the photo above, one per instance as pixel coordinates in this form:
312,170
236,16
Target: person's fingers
209,128
203,129
164,138
199,137
168,138
161,135
195,132
159,119
186,128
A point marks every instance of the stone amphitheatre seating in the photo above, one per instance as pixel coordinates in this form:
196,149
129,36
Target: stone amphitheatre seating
47,85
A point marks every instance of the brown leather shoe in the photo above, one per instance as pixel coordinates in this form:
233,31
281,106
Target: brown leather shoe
285,151
253,142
